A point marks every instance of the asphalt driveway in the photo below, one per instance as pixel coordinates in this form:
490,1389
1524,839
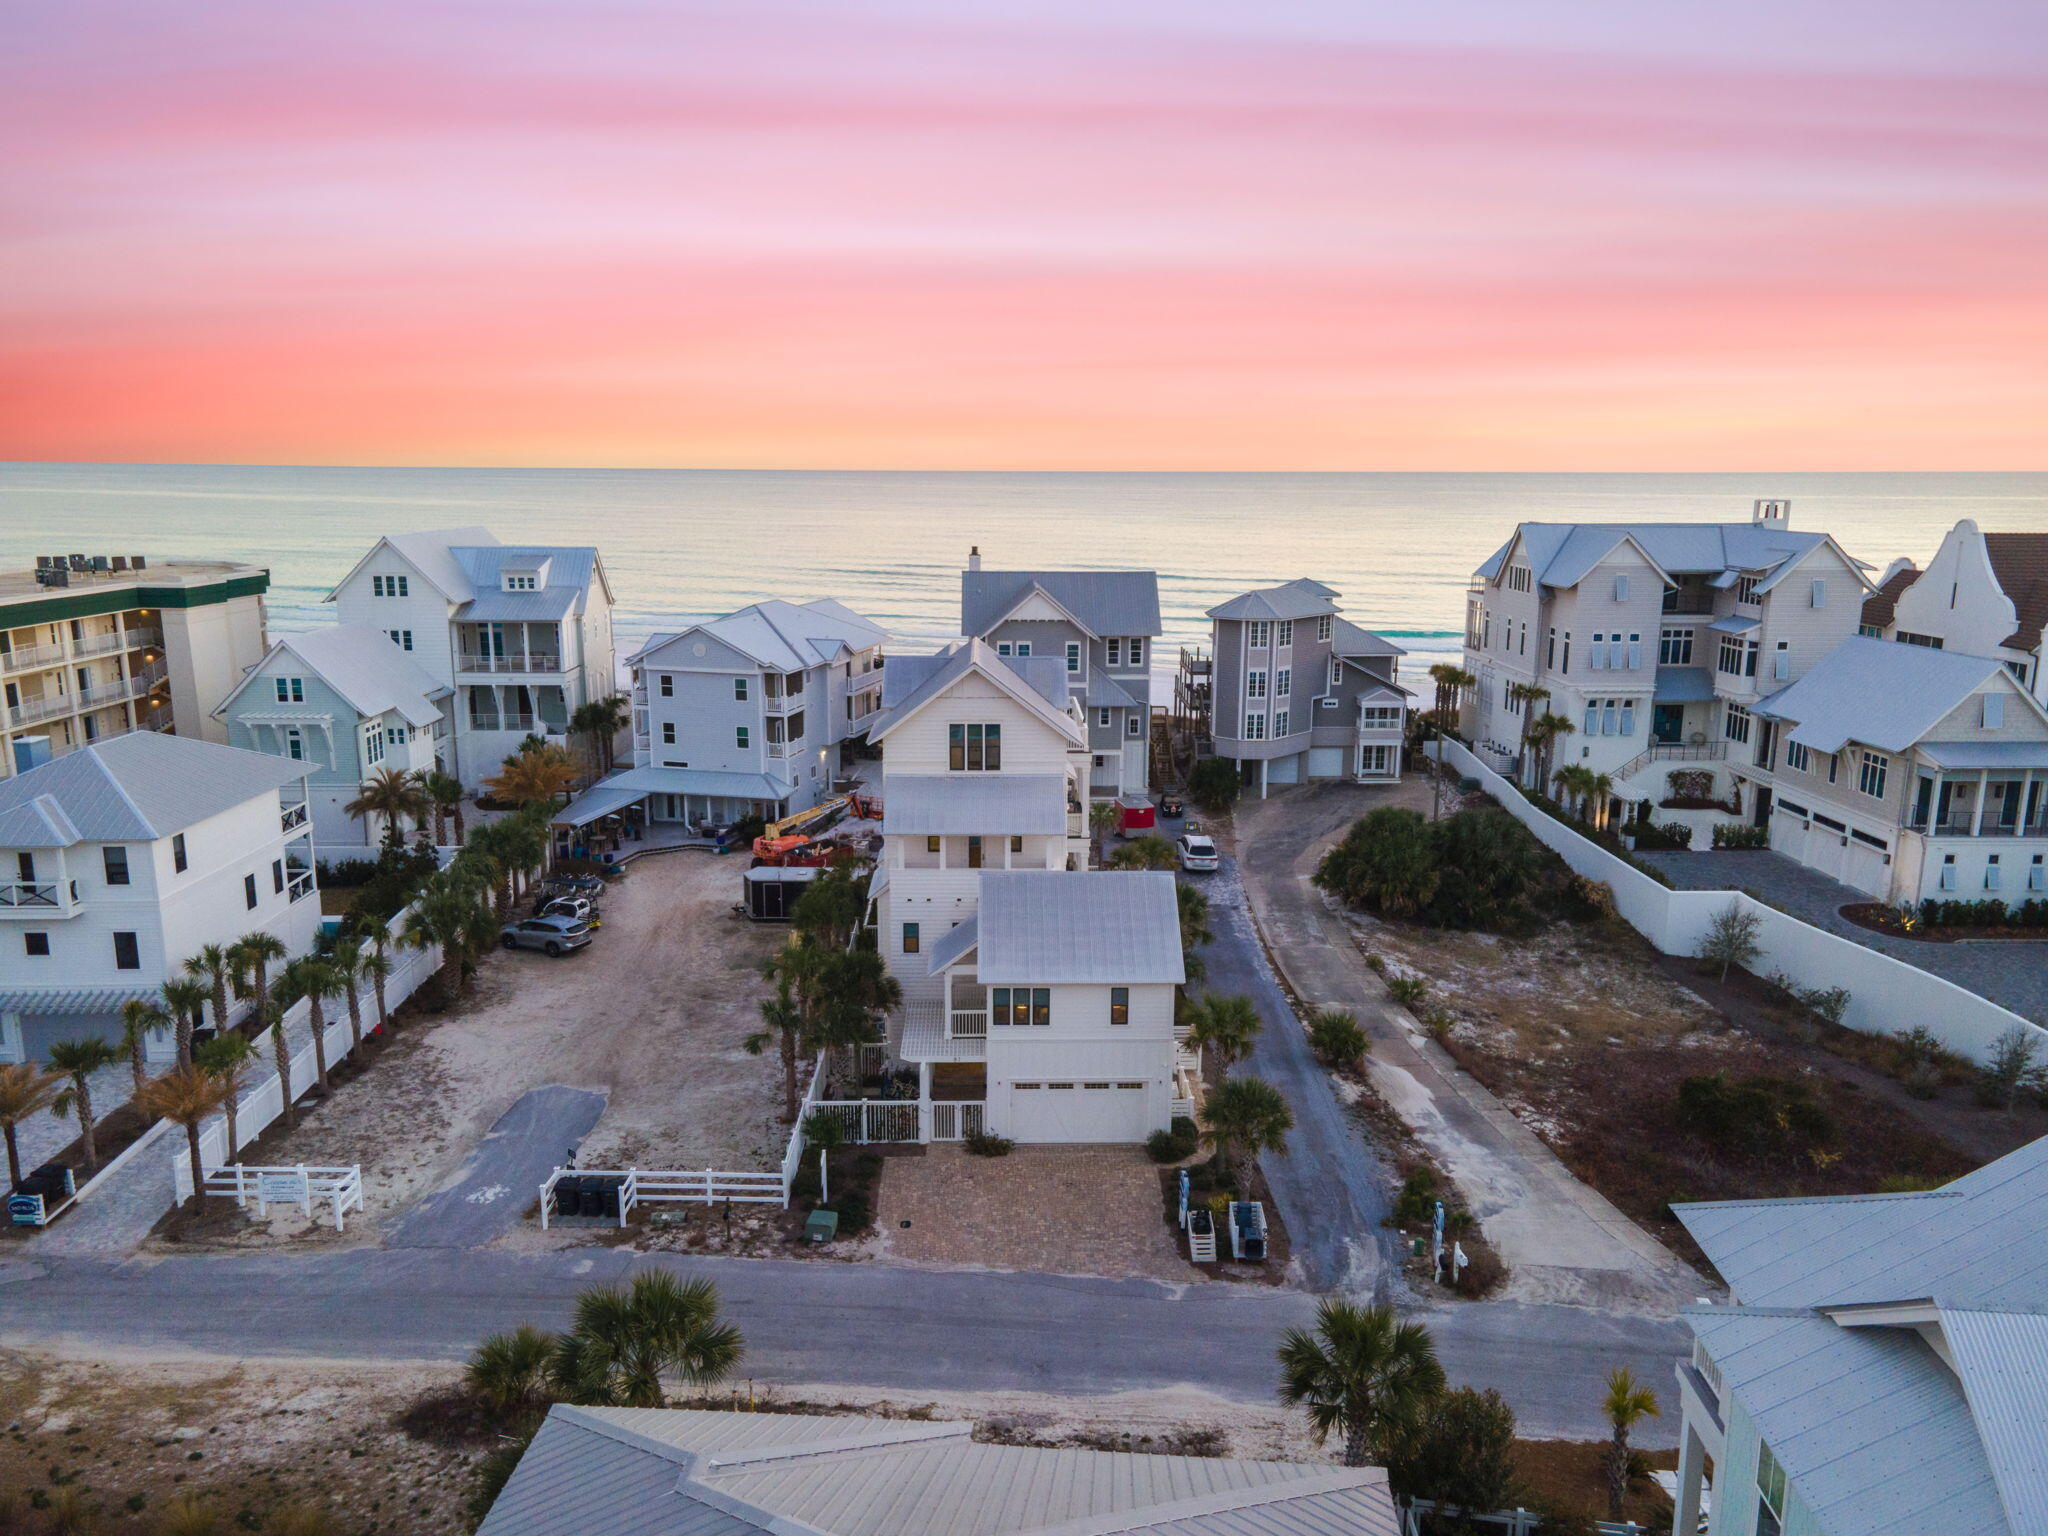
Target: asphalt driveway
2011,973
503,1172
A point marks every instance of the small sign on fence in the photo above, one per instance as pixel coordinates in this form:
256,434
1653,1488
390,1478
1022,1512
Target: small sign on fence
282,1187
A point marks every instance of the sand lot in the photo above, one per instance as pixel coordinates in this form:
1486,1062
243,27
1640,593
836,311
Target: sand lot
652,1014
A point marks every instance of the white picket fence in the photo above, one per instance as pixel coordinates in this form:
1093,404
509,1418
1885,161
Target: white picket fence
638,1186
299,1184
261,1104
1886,995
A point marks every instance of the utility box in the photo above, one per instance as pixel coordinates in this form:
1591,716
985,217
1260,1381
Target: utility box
821,1226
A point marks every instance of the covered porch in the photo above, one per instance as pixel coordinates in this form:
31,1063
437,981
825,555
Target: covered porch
647,808
1980,789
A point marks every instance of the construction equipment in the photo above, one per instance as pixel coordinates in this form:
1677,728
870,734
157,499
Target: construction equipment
785,842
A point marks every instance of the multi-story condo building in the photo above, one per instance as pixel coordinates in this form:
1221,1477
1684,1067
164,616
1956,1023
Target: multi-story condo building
348,704
1878,1370
1098,626
1654,640
753,713
93,648
522,633
1299,692
120,860
1906,772
1984,593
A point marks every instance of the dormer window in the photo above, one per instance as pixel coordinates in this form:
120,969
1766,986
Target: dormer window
522,581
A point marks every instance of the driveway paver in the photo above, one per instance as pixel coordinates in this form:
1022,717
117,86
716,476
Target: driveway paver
2010,972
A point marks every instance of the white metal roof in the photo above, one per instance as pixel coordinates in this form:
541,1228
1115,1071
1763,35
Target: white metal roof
931,804
1037,683
647,1472
784,636
1056,926
952,946
362,665
1105,602
430,552
652,780
1986,754
571,568
144,785
1880,692
1563,554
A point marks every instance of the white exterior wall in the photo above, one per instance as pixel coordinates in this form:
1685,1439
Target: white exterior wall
423,610
207,649
1080,1046
1958,599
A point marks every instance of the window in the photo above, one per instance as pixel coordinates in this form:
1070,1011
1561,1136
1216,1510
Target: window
1871,631
932,844
740,737
1023,647
277,876
668,733
1518,578
1376,760
1621,589
1566,664
373,745
1336,672
1635,652
1550,648
2019,670
1119,1005
1948,872
1674,648
1279,724
1737,656
1254,727
1283,682
974,853
1735,723
1379,717
2037,875
290,690
1115,649
35,943
1992,874
398,735
1770,1494
1834,763
116,861
1021,1006
178,853
1745,589
402,638
1134,726
249,892
1597,657
1797,756
1258,634
1817,593
1781,660
127,952
974,748
1932,642
1004,648
910,939
1102,717
1870,776
1073,656
1284,635
1255,685
1485,630
1323,625
387,586
1016,843
521,582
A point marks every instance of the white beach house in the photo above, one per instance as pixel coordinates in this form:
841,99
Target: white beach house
1984,593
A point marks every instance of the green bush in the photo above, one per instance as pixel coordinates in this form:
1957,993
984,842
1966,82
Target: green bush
1987,913
1385,862
1736,834
1673,835
988,1144
1758,1117
1214,784
1337,1039
1416,1204
1407,990
855,1214
1176,1145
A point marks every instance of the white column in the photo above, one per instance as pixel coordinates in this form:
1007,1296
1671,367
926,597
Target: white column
10,1038
1262,778
2021,824
1977,810
1934,806
1692,1458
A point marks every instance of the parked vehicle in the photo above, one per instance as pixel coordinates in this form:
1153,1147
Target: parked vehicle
552,935
579,909
1197,853
1171,806
572,885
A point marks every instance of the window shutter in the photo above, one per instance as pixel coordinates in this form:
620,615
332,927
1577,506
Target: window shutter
1994,711
1635,655
1781,664
1599,652
1621,589
1818,591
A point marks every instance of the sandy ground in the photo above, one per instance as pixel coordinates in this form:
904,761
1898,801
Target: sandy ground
652,1013
252,1436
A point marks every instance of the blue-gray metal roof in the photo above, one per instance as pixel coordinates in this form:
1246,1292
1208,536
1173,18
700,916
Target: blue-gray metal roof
952,946
571,568
1301,598
372,675
1871,1429
37,1001
1881,693
1986,754
697,781
1059,926
1106,602
936,804
785,636
1562,554
1348,639
1038,683
2002,1358
145,785
1683,685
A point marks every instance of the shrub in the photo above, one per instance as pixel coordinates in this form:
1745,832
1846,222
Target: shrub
1386,862
343,873
1408,991
988,1144
1483,1271
1691,783
1736,834
1671,835
1214,784
1176,1145
1759,1117
1337,1039
1486,862
2014,1068
855,1214
1826,1003
1731,938
1459,1450
1416,1204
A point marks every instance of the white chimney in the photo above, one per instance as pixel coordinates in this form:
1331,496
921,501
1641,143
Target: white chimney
974,558
1771,513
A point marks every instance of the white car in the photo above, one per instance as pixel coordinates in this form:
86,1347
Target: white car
1197,852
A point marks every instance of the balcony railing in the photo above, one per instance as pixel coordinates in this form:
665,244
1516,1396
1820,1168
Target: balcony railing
503,723
968,1024
1696,604
785,748
542,662
26,658
101,695
294,816
119,640
48,708
1988,829
36,895
301,886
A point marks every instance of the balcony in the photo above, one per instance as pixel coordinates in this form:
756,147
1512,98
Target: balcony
101,695
926,1037
119,640
1688,604
301,885
786,748
294,817
48,707
968,1024
28,658
38,898
542,661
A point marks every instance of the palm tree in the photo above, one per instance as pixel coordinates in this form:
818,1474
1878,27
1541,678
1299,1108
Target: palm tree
1363,1373
215,966
1194,929
25,1091
785,1021
488,856
1246,1116
190,1096
444,793
1104,817
1451,682
137,1020
509,1371
625,1339
1626,1404
1600,790
227,1058
250,956
393,797
601,720
313,979
1147,852
186,999
855,992
1225,1024
347,964
376,968
78,1060
452,915
539,776
1546,732
1525,697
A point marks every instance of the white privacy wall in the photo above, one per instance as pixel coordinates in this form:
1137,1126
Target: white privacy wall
1885,995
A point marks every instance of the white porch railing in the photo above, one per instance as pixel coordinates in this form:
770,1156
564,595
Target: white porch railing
969,1023
298,1185
539,662
293,816
876,1120
38,897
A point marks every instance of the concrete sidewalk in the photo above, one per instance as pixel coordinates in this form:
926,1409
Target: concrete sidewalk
1563,1241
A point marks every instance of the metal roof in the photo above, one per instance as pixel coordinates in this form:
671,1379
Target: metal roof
146,785
1563,554
1879,692
1105,602
599,801
697,781
1105,692
1683,685
1056,926
39,823
546,605
1986,754
75,1000
1734,624
1037,683
371,674
784,636
1871,1429
649,1472
1348,639
930,804
1297,599
430,552
953,945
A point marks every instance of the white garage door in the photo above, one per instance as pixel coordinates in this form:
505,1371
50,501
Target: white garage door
1077,1111
1325,762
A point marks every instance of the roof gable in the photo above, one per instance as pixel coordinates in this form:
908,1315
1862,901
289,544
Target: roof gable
429,554
361,665
972,658
144,785
1882,693
2020,562
1101,602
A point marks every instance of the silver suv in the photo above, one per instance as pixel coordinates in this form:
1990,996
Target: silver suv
554,935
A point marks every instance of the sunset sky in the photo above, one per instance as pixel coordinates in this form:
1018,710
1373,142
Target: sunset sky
1485,234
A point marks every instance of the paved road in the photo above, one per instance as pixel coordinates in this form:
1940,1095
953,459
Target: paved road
1562,1241
1332,1188
504,1172
868,1325
2012,973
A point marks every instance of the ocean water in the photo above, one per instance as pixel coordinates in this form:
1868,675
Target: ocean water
688,544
